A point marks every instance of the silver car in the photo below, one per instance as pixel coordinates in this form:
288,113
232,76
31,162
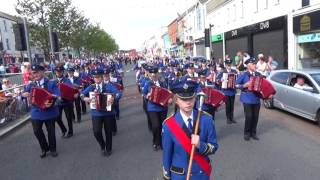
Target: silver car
304,101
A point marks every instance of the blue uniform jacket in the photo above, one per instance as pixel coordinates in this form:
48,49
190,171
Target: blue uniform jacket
174,154
227,92
50,113
152,106
246,96
107,88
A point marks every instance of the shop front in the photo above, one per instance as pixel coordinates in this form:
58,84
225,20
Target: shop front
306,28
217,46
268,37
200,48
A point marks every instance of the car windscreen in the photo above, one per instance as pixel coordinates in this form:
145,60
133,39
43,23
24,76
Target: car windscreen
316,77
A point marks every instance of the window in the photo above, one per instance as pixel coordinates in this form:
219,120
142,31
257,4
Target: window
257,6
295,76
242,9
305,3
5,25
8,45
316,77
281,77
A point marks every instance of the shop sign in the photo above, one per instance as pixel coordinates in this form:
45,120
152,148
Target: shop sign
307,22
217,37
307,38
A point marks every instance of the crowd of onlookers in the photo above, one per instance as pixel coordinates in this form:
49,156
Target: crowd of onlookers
265,64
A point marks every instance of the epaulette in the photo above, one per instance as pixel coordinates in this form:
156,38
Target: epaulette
168,118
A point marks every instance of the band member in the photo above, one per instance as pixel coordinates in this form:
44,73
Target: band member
170,75
47,116
203,82
229,93
76,83
101,118
86,81
157,113
250,100
115,79
143,80
191,74
178,137
65,105
106,80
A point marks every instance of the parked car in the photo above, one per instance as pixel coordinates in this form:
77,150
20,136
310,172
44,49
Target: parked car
304,102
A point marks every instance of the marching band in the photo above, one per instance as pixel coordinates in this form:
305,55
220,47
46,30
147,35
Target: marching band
164,84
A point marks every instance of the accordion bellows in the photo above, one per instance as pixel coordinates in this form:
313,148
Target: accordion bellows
261,86
160,96
67,91
214,97
39,96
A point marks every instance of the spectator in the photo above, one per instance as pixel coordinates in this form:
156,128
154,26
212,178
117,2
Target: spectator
262,66
2,69
237,59
300,84
27,74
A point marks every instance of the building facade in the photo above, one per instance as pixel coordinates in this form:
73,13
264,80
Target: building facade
304,35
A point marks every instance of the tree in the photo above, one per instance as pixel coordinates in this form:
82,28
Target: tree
74,30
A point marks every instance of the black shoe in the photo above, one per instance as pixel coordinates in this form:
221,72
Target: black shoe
54,154
255,137
43,154
69,135
103,152
79,120
108,153
155,147
229,122
233,121
246,137
63,134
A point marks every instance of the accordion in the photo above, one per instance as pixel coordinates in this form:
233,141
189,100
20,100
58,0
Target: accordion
160,96
118,86
214,97
39,96
85,81
261,86
67,91
212,77
229,80
99,101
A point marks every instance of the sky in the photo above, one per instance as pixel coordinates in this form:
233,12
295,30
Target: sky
130,22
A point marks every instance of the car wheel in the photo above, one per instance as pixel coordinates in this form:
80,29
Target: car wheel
268,103
318,118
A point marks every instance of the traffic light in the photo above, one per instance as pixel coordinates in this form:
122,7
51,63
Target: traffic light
20,37
55,42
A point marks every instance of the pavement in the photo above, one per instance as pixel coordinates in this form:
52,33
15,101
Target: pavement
288,149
